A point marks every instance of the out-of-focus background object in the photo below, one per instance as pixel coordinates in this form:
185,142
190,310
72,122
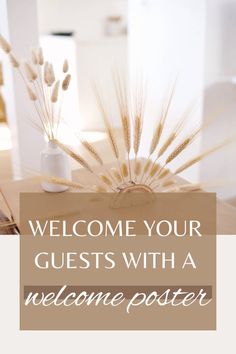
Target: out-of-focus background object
161,41
3,117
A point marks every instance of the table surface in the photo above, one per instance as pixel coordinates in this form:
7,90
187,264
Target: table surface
226,213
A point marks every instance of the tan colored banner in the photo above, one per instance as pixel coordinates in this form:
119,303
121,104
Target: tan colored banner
105,261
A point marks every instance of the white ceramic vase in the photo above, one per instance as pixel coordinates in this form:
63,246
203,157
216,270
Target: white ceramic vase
54,162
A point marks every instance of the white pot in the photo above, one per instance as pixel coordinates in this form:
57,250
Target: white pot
54,162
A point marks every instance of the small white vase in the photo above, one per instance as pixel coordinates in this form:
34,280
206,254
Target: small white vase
54,162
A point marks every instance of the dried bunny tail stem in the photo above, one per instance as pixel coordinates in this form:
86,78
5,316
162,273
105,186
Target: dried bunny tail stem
30,72
65,66
34,57
116,175
198,158
14,62
73,155
31,94
40,56
49,76
55,91
66,82
137,168
60,181
124,169
46,72
92,151
6,47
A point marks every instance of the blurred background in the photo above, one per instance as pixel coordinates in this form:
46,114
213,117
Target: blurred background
157,41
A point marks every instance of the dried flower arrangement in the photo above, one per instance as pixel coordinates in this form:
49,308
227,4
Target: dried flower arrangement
136,174
45,91
131,175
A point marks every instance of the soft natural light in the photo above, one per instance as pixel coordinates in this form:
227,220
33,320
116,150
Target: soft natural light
5,137
68,136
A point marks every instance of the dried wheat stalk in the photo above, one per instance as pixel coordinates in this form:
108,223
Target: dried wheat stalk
177,129
99,189
198,158
178,150
183,145
45,92
137,133
74,156
105,179
60,181
109,130
155,167
92,151
160,125
116,174
147,166
156,137
168,183
163,174
137,168
112,140
124,169
122,98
